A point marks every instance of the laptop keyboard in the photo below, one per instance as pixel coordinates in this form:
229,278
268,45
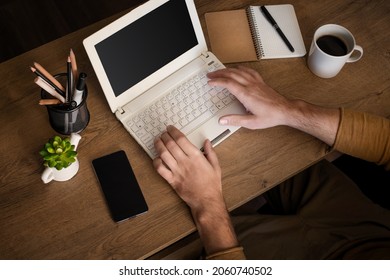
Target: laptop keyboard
186,107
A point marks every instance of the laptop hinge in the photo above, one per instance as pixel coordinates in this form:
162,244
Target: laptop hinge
205,54
120,110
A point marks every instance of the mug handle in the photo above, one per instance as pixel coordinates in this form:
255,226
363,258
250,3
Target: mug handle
356,54
47,175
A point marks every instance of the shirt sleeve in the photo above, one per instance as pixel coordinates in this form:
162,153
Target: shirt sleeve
236,253
365,136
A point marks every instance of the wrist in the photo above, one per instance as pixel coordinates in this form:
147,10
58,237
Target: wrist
315,120
295,113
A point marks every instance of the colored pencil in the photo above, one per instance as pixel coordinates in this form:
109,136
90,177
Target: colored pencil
74,64
47,80
53,101
48,88
69,75
49,76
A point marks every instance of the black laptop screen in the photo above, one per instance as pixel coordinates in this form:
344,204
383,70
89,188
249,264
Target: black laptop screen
144,46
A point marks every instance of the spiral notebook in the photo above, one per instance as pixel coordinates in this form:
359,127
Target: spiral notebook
246,35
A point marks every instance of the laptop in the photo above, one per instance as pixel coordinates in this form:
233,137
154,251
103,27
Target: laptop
152,65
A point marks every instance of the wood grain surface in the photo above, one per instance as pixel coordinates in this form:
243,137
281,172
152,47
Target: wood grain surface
70,220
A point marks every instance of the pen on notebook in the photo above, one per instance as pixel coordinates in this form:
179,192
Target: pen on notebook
277,28
49,89
47,80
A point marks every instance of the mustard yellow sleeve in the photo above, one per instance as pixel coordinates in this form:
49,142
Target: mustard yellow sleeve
365,136
236,253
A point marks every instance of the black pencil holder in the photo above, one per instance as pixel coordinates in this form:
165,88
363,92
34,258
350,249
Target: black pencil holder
65,119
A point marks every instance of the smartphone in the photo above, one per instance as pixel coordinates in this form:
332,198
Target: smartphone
119,185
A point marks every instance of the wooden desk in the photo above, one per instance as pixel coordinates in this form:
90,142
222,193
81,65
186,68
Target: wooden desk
70,220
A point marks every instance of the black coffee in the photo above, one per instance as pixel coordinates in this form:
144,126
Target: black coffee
332,45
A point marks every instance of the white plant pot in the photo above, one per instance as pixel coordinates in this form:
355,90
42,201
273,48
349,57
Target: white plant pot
51,173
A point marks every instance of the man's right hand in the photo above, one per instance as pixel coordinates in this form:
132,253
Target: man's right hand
267,108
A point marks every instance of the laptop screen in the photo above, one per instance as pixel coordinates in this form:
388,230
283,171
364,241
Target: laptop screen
147,44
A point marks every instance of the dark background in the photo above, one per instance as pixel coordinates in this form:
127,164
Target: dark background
27,24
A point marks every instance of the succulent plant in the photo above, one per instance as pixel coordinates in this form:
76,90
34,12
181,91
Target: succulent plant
58,153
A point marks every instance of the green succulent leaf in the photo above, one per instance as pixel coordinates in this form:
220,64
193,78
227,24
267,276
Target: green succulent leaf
57,139
58,153
68,160
59,165
71,154
50,157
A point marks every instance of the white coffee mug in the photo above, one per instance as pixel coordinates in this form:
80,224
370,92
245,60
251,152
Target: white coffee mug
332,47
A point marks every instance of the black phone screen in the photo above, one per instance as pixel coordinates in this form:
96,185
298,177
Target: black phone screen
119,185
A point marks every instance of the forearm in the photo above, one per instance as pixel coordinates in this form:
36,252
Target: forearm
317,121
215,228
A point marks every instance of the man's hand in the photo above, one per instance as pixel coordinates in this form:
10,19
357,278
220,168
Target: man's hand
267,108
196,178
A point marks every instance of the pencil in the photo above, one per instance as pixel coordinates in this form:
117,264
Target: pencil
49,76
47,80
69,76
74,64
45,86
54,101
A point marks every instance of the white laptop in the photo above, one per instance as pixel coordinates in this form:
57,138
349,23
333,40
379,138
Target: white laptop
152,65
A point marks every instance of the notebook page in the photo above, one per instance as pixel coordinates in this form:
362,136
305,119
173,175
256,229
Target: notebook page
272,44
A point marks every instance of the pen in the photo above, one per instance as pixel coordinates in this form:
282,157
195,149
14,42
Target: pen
276,26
